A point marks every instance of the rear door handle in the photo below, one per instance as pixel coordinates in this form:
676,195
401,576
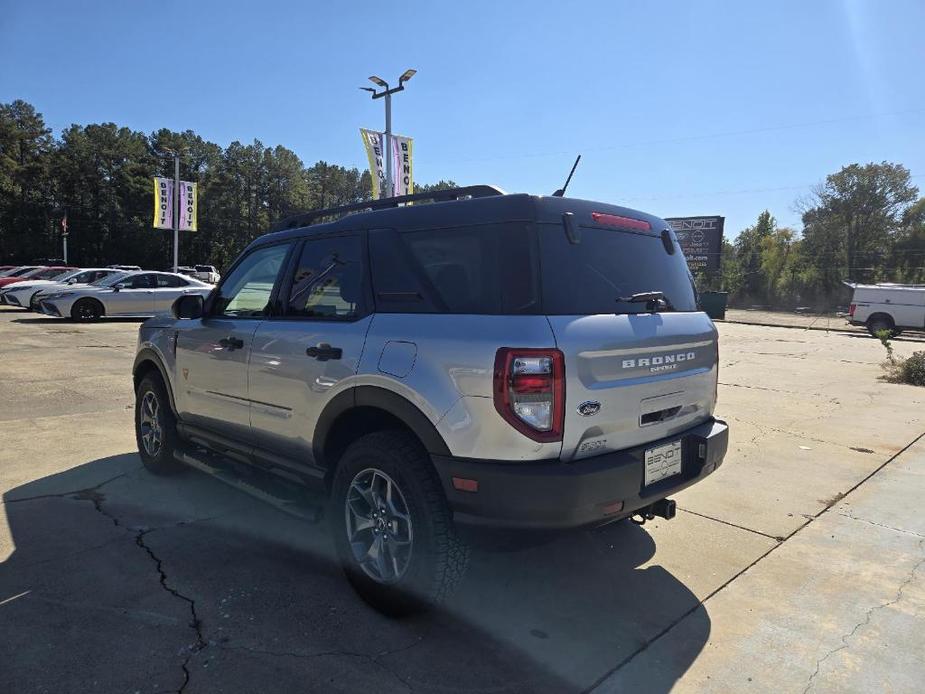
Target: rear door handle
231,343
323,351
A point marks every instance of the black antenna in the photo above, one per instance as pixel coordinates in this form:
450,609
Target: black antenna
561,192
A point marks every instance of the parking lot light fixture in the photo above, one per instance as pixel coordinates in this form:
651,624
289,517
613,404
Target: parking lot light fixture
387,94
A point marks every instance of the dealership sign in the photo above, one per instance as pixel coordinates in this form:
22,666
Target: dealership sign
701,239
402,163
163,204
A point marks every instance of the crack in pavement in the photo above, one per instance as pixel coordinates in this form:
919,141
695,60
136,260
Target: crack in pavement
96,498
195,622
880,525
74,493
864,622
374,659
776,538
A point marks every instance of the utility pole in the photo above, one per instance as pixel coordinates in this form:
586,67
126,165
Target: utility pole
176,202
176,211
387,94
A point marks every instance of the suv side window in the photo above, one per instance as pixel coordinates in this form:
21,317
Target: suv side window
328,279
480,269
246,291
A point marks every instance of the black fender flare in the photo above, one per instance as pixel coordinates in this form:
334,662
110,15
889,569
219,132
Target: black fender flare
380,398
147,354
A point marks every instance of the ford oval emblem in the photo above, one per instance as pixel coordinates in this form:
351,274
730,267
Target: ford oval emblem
589,408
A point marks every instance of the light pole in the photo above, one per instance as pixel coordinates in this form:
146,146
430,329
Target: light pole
176,203
387,93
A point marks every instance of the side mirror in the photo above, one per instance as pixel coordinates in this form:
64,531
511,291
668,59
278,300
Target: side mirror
120,285
187,306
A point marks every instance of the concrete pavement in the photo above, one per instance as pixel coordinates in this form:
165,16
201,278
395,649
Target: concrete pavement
796,565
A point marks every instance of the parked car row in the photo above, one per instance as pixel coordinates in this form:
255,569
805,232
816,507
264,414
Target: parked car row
90,293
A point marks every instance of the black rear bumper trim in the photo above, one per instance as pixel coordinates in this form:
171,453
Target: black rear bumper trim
549,495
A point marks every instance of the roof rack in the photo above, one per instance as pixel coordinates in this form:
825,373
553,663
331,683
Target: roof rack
305,218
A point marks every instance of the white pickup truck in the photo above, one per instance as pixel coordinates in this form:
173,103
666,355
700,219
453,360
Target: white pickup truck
894,307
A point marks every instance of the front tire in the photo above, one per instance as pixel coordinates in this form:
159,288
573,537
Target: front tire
392,526
86,310
155,426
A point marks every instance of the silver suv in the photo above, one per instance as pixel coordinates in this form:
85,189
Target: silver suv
486,361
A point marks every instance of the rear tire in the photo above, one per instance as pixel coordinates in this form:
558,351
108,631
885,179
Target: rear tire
881,321
392,526
155,427
86,310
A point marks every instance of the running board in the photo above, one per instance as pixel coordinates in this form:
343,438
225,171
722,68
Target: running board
288,498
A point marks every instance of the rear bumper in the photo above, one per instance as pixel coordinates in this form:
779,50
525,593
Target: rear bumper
550,495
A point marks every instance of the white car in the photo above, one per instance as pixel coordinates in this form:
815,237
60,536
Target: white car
123,294
26,294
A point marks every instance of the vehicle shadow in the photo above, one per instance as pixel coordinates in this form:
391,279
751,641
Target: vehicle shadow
129,580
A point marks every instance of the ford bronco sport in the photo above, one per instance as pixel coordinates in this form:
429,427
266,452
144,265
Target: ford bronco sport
492,360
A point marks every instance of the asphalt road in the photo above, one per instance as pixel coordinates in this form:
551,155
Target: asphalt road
797,566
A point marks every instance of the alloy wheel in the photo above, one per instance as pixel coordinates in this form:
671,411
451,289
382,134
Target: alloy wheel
149,420
378,526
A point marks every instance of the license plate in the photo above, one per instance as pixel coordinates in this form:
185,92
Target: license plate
662,461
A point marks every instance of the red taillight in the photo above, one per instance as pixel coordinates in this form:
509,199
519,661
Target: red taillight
529,389
615,220
851,309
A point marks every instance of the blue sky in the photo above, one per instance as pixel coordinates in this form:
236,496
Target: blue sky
677,107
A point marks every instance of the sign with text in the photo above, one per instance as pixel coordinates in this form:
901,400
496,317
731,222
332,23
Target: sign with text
163,203
375,154
402,165
188,205
701,239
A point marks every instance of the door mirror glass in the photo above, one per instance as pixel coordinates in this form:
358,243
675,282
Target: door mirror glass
189,306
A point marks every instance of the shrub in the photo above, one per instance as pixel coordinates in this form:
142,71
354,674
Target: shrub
912,370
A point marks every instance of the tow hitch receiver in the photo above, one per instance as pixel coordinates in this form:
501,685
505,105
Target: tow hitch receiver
663,508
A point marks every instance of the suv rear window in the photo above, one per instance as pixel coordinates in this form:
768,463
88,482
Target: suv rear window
481,269
588,277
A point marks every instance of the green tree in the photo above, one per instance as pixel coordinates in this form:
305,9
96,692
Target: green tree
26,223
908,256
853,219
748,249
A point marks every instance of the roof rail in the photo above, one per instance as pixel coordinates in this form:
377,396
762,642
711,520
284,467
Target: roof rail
305,218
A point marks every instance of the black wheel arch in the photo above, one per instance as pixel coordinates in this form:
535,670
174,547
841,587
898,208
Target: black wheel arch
376,407
881,314
146,361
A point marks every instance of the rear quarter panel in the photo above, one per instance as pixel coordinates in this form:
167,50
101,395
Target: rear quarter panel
451,376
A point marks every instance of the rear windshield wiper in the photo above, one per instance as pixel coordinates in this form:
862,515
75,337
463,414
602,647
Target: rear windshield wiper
653,300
